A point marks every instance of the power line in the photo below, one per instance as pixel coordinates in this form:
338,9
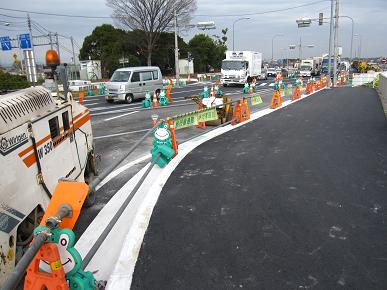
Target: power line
11,16
263,12
198,15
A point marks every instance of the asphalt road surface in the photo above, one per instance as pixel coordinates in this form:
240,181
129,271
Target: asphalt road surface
294,200
117,126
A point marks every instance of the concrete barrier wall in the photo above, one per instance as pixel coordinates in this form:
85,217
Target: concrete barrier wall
382,88
361,79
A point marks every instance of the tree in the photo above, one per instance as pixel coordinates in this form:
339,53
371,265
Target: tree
150,16
208,52
12,82
109,44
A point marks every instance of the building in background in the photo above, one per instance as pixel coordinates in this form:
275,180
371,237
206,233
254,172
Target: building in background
90,70
186,67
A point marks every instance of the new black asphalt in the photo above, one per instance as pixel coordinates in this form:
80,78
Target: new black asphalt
294,200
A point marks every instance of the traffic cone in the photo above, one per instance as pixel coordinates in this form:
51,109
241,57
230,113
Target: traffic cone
212,94
201,125
155,102
168,94
251,89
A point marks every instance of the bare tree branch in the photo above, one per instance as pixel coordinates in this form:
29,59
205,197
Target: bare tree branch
151,16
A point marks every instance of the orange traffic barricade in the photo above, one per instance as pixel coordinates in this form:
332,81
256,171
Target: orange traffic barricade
35,279
241,112
276,100
296,94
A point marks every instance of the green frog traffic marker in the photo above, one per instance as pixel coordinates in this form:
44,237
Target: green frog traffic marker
205,93
163,100
147,103
162,144
70,259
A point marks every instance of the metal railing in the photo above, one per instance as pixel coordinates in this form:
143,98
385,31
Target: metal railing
382,89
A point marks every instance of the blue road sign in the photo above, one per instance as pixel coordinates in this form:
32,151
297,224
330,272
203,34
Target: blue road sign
25,41
5,43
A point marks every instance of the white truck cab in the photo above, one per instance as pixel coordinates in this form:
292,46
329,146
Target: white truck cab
240,67
130,83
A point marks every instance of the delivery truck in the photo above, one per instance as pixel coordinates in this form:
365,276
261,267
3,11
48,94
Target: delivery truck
240,67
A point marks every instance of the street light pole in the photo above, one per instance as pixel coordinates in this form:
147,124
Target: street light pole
272,45
176,53
336,43
233,30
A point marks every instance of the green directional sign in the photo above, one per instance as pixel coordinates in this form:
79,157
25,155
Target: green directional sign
207,115
185,121
193,118
256,100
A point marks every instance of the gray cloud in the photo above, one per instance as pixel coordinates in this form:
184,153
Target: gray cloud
254,34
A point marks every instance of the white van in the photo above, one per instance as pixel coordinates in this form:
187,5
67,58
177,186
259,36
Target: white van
130,83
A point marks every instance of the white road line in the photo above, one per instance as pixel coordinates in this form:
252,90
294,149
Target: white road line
180,92
120,170
91,104
263,84
119,116
126,110
271,85
120,134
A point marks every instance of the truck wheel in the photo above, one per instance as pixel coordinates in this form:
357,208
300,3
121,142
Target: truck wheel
225,85
129,98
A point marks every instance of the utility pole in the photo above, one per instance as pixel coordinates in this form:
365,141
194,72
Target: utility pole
51,45
330,46
336,43
176,53
57,43
31,68
300,50
72,46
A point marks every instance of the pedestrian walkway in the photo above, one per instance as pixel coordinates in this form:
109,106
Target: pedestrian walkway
294,200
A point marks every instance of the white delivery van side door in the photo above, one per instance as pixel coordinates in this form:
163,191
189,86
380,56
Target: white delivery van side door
136,85
147,81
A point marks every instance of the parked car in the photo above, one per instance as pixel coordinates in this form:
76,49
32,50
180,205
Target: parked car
271,72
130,83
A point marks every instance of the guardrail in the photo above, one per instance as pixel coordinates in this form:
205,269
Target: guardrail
382,89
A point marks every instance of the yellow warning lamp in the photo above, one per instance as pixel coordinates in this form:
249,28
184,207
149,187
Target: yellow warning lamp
52,58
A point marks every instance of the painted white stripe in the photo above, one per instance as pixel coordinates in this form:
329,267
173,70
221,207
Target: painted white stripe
271,85
118,171
263,84
120,134
119,116
91,104
180,92
125,110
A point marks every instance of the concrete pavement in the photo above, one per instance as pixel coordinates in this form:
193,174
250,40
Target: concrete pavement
294,200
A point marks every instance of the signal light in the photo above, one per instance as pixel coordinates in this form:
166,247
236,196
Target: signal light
52,58
320,18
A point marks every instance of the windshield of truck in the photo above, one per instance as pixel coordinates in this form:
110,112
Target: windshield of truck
326,61
305,67
120,76
233,65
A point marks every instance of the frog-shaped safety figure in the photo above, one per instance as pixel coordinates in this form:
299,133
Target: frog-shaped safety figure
147,103
298,83
163,100
162,144
102,89
70,258
218,92
205,93
246,88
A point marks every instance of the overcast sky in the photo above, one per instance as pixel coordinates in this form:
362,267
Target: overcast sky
253,34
